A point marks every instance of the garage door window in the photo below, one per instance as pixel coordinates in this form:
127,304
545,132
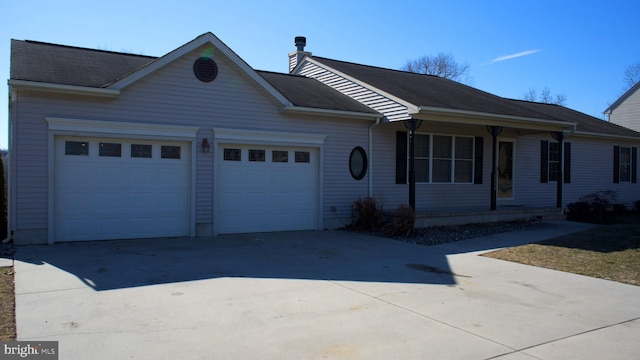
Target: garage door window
76,148
303,156
170,152
110,150
232,155
141,151
257,155
280,156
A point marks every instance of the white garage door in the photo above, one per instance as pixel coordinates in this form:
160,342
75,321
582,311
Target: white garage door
266,188
119,189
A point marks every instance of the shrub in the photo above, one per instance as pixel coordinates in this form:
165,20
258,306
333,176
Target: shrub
402,222
636,205
593,207
579,211
619,208
368,214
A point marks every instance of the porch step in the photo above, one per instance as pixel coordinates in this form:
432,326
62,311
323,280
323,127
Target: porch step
427,219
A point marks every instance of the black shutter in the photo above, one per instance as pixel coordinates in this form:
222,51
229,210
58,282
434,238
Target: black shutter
544,161
634,164
401,157
477,161
616,164
567,163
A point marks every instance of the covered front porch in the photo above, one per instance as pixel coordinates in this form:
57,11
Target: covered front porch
503,132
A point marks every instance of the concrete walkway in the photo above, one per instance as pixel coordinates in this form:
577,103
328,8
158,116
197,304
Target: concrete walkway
317,295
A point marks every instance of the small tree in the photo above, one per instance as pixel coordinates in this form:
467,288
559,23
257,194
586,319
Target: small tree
442,65
631,76
545,97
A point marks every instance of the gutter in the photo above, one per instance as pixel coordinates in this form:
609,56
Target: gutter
64,89
329,112
426,110
606,136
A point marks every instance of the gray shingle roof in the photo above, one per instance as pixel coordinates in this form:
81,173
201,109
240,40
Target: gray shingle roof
434,91
308,92
585,123
66,65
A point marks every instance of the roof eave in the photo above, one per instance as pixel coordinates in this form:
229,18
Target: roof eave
473,117
63,89
330,112
607,136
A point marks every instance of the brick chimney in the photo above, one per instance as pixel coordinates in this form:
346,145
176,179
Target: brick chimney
297,56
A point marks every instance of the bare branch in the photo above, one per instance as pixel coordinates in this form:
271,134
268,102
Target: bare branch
545,96
442,65
631,75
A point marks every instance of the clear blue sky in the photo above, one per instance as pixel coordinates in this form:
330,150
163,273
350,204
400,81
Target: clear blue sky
578,48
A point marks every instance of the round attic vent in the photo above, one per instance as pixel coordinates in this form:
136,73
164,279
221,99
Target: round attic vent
205,69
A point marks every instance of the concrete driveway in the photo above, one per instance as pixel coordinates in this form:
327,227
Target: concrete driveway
317,295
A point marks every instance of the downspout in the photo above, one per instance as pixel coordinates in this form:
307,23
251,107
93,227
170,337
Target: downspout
378,120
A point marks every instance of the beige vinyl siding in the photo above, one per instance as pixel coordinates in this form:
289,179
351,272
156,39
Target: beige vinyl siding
173,96
628,112
391,109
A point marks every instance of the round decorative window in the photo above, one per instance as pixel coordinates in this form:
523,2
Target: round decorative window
358,163
205,69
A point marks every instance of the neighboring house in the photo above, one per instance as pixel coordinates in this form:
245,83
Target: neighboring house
626,110
107,145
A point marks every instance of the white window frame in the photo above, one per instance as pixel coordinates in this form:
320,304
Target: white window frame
628,165
550,162
430,159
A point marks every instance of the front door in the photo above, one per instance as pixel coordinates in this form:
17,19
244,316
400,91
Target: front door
505,170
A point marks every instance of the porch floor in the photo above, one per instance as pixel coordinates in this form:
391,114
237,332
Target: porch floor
471,216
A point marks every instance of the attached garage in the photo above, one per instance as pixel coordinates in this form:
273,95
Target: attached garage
107,188
267,181
115,180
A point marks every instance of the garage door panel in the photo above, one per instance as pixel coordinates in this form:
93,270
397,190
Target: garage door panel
98,197
255,196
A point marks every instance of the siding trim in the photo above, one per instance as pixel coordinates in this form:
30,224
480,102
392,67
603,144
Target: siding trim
121,128
64,89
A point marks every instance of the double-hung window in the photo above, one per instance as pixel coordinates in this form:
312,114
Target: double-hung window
551,162
444,159
554,161
422,165
625,164
463,171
